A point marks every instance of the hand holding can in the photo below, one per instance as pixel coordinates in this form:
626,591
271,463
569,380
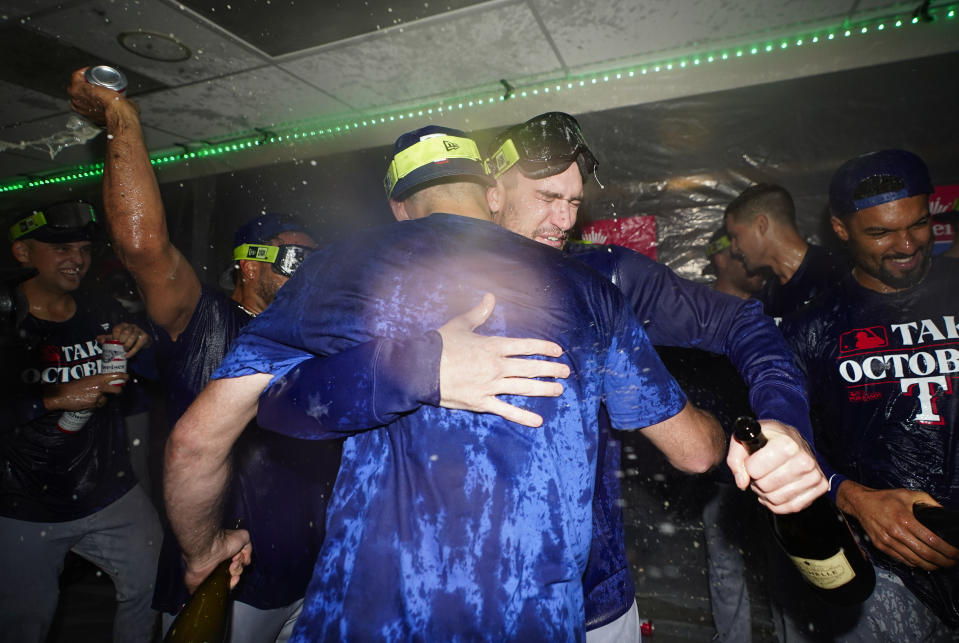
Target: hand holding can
106,76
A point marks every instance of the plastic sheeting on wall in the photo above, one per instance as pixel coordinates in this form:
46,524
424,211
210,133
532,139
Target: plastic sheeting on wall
678,162
683,160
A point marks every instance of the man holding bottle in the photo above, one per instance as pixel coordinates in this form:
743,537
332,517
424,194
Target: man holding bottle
880,354
541,167
551,222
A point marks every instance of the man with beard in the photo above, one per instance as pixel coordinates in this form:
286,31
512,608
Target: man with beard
761,224
880,355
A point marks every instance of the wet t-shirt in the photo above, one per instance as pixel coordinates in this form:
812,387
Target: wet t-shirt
444,524
819,271
46,474
883,371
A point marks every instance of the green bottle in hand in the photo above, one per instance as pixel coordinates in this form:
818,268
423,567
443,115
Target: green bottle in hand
817,539
206,616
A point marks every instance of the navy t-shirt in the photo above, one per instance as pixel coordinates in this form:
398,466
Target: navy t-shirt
820,270
444,524
883,372
279,488
48,475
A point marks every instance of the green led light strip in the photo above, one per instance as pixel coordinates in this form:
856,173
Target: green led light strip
304,132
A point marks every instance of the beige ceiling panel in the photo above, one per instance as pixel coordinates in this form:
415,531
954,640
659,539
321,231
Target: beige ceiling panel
451,54
215,108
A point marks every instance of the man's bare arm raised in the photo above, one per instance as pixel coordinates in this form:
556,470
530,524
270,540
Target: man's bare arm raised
134,210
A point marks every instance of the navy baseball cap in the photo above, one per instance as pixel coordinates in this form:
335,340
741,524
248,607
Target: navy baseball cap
65,222
257,231
876,178
264,227
430,153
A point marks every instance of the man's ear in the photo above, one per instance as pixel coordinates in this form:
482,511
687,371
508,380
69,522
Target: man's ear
494,197
762,223
21,251
249,270
399,210
839,227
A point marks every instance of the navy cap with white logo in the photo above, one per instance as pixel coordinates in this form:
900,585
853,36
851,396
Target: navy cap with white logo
430,153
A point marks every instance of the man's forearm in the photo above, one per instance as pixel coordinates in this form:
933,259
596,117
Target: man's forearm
678,312
197,464
193,489
131,194
363,387
692,440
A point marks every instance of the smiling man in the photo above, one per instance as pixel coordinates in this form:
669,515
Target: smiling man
881,354
66,483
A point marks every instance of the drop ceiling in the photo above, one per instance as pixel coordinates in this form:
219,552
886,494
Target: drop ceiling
207,72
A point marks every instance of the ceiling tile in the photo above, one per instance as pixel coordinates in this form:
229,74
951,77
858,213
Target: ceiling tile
446,56
11,8
13,164
94,26
588,33
22,104
894,7
234,104
279,28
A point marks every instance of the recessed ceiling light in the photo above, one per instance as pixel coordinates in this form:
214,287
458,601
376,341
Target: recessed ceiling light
154,46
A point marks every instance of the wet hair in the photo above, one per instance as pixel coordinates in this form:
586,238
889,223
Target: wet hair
763,198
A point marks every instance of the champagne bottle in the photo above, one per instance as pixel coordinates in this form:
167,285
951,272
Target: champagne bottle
206,616
817,539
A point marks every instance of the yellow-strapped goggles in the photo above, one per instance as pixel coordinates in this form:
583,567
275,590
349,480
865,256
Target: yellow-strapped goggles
435,149
503,159
27,225
718,245
285,259
58,217
255,252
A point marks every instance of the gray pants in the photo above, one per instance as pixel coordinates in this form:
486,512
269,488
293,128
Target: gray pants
122,539
891,615
625,629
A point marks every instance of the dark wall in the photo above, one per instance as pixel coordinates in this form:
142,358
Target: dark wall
684,160
681,160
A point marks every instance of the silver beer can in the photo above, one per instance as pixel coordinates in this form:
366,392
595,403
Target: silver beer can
73,421
106,76
114,358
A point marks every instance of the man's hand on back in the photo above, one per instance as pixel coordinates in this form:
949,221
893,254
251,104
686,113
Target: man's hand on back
474,368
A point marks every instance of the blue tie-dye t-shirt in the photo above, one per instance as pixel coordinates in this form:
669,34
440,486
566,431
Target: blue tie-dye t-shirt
450,525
